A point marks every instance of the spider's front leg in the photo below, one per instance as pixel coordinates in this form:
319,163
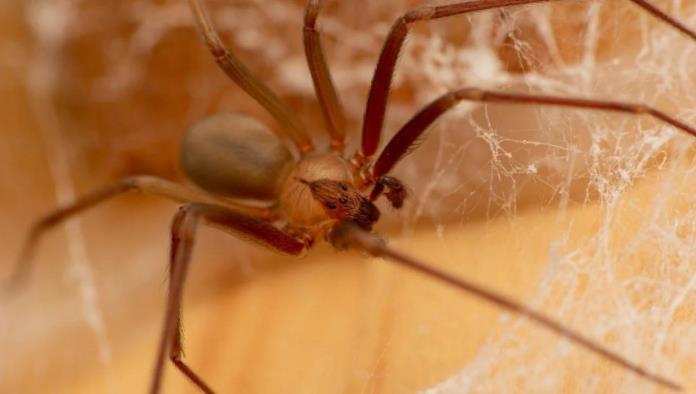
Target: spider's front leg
347,235
407,137
183,232
375,109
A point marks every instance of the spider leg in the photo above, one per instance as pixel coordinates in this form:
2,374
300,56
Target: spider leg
321,76
179,258
373,119
246,80
403,140
183,232
145,184
348,235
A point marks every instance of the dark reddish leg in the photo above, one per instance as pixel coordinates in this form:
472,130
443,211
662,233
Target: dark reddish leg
404,139
321,76
183,236
144,184
373,119
179,257
246,80
182,239
348,235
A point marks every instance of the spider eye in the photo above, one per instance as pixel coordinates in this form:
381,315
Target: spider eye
331,205
344,187
343,200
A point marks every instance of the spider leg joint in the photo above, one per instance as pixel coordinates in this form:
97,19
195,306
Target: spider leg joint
469,94
420,14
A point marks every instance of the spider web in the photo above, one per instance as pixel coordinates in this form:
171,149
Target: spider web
630,283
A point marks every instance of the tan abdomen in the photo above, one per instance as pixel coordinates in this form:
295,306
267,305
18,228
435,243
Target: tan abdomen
236,156
296,200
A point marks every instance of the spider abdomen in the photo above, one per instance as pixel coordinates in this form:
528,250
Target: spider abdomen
234,155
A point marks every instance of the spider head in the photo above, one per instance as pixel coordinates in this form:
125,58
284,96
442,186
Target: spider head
344,202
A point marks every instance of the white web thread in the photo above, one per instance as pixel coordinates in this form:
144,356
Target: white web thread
48,20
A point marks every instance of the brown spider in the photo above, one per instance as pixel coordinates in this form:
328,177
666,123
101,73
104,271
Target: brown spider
320,196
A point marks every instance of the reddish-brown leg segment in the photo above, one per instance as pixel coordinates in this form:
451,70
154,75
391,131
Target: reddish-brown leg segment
405,138
144,184
321,76
245,79
375,108
347,235
183,235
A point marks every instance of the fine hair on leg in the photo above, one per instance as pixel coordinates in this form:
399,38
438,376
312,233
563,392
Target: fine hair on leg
406,138
376,106
183,232
331,107
247,81
143,183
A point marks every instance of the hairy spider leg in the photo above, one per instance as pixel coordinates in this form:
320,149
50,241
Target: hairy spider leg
245,79
404,139
145,184
329,102
375,108
183,233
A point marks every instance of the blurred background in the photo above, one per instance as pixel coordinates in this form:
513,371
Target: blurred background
587,216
